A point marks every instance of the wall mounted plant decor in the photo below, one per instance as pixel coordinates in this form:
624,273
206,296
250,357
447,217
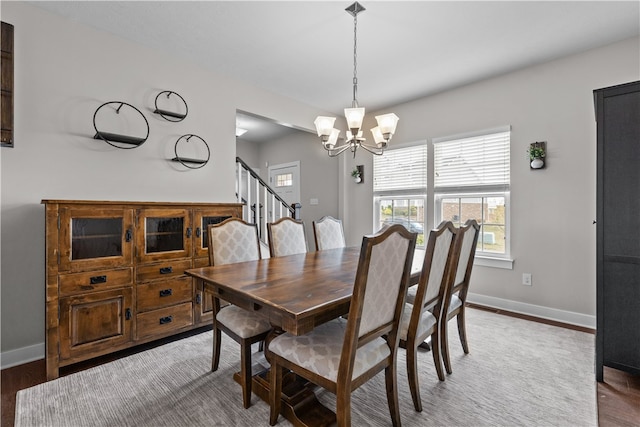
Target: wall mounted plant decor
358,174
113,112
191,163
170,114
537,152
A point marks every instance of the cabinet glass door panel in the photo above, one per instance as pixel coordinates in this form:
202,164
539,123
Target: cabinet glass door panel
164,234
204,225
203,218
167,234
95,238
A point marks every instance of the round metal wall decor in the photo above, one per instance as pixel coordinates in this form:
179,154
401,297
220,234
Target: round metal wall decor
171,116
190,162
113,138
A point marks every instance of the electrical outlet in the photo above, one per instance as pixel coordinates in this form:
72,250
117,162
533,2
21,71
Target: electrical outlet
526,279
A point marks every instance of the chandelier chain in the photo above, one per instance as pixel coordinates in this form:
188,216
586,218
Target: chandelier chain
355,59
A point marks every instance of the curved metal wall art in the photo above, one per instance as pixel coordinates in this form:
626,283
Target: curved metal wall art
112,138
171,116
189,162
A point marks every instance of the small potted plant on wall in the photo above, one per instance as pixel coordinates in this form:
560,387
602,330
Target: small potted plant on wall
356,174
537,152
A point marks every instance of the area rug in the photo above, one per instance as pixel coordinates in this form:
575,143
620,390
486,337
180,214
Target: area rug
518,373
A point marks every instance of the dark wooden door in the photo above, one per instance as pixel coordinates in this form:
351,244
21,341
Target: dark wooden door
95,323
618,231
6,62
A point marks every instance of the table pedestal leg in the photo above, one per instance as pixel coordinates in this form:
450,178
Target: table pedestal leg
300,404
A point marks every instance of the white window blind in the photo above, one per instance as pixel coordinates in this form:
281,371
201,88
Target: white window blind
472,163
401,169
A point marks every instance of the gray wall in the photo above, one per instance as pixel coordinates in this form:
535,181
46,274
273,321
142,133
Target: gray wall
552,210
62,76
63,72
318,175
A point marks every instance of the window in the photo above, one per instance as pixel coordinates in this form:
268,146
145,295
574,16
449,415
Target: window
471,181
284,180
400,189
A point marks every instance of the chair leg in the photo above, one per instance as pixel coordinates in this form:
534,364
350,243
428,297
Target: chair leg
412,376
245,373
444,344
343,407
215,358
435,349
462,330
392,393
275,392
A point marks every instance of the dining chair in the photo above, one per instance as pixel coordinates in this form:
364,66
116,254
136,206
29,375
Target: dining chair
328,233
456,298
422,318
286,237
341,355
232,241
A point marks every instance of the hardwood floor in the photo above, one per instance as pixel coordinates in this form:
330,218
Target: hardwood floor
618,396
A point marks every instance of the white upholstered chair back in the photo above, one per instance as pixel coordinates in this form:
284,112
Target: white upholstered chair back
469,231
233,240
384,279
437,268
286,237
328,233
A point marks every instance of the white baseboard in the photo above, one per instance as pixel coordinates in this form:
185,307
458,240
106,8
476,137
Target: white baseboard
21,355
34,352
569,317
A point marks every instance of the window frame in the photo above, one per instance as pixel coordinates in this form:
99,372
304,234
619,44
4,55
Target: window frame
490,259
438,197
417,192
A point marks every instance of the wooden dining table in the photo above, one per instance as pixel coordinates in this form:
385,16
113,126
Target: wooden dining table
295,293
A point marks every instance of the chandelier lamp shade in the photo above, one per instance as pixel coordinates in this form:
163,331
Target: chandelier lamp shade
382,133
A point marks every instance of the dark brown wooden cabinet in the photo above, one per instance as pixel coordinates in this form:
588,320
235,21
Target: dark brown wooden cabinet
618,238
6,86
115,274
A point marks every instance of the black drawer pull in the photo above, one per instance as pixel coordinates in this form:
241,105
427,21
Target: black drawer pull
98,279
198,232
166,270
127,314
189,232
167,319
166,292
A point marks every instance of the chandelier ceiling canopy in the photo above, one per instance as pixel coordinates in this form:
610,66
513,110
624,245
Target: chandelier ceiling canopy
355,115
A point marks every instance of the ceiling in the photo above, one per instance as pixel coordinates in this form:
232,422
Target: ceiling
406,50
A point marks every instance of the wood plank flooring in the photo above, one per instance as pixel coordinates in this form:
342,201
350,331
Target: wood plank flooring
618,395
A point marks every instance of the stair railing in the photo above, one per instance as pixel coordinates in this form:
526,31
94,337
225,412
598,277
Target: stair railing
257,195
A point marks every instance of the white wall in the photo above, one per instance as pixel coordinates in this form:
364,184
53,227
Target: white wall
63,72
552,210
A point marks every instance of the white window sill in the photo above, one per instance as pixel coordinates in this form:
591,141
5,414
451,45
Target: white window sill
485,261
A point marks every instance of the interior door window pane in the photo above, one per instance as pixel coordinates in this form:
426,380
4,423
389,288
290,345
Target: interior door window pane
284,180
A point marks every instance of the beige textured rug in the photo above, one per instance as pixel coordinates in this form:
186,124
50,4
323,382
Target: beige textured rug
518,373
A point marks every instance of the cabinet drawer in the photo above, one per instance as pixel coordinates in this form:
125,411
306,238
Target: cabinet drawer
162,294
164,320
162,270
75,283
